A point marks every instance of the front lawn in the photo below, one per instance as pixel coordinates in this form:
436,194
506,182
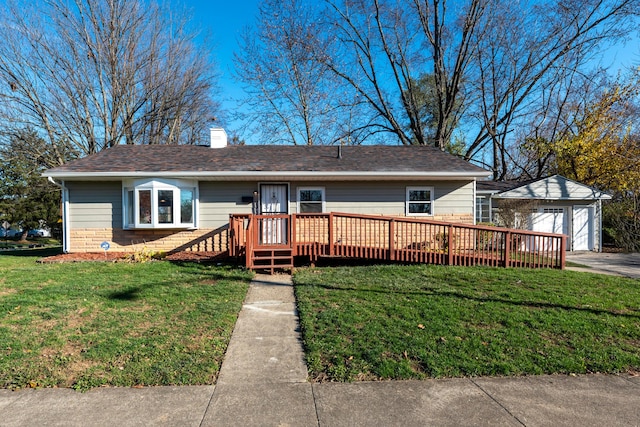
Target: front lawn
84,325
402,322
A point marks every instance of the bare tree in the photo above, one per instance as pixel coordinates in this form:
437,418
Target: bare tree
391,51
292,98
489,67
532,155
453,41
379,58
534,51
97,73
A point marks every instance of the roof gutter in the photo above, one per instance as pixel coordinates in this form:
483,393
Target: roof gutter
252,175
595,196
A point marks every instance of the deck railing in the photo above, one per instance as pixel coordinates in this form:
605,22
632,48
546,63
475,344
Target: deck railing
400,239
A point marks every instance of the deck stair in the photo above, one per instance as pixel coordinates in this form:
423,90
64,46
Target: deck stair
271,259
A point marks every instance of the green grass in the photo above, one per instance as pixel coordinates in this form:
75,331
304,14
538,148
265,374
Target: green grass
10,243
414,322
84,325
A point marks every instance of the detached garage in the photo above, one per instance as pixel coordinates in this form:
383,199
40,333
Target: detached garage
554,205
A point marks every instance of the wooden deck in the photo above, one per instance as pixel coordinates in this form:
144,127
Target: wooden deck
272,241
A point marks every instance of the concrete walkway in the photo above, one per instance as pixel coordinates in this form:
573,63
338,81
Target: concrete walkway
263,379
263,383
618,264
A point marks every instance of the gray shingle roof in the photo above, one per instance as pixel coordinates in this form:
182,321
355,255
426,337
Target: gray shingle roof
497,186
254,159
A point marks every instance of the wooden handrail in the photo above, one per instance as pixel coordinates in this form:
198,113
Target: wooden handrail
400,239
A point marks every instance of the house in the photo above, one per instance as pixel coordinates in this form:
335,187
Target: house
178,197
553,204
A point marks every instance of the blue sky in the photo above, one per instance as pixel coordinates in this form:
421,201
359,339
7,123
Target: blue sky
224,20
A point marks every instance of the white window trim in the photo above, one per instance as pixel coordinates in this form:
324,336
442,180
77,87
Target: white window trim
156,185
321,189
479,211
430,202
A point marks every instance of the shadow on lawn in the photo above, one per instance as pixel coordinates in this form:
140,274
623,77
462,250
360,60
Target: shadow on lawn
38,252
203,277
131,294
208,270
532,304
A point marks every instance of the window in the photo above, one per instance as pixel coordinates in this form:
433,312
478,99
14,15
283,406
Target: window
553,210
160,204
144,206
311,200
186,206
419,201
483,209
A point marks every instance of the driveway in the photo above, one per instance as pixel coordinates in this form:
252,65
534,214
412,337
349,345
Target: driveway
609,263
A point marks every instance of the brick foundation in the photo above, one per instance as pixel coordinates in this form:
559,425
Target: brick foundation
89,240
457,218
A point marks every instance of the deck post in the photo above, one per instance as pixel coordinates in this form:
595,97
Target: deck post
563,251
230,239
507,248
292,234
331,237
450,243
249,242
392,239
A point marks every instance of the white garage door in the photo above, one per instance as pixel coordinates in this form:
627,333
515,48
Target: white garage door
548,220
582,238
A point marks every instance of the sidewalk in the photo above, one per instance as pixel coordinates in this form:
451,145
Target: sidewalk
263,383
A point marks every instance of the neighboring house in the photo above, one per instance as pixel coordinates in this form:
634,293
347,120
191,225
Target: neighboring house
179,197
554,205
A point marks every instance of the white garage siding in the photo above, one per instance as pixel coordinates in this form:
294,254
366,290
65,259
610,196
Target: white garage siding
582,218
577,221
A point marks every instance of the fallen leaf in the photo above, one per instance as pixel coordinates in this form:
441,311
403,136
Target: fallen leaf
421,326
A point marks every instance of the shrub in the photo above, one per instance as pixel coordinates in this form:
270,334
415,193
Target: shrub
621,221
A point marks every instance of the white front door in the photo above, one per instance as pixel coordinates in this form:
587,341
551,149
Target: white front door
274,200
582,236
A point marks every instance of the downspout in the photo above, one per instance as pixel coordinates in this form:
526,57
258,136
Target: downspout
475,201
65,214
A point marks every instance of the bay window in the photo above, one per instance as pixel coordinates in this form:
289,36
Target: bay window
160,204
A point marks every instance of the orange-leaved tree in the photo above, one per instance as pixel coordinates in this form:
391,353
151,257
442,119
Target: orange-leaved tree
601,147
